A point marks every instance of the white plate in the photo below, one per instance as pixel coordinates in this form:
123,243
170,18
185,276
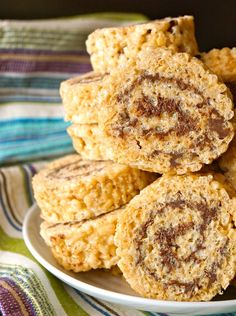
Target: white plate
113,289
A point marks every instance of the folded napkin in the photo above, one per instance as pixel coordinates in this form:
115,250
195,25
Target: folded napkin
35,56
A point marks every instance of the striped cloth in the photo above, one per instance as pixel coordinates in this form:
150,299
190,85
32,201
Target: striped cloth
35,57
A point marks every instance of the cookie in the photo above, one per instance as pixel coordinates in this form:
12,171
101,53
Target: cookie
88,142
85,245
176,240
114,47
71,188
79,96
169,113
222,62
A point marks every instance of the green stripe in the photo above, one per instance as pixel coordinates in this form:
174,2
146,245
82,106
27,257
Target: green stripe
115,16
18,246
51,34
74,42
72,39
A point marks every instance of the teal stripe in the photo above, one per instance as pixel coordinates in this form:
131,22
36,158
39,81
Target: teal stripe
49,148
30,139
30,82
19,130
31,155
41,142
39,154
30,120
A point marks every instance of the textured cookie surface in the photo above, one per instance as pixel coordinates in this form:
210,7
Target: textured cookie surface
169,113
222,62
176,239
79,97
113,47
85,245
227,162
88,141
71,188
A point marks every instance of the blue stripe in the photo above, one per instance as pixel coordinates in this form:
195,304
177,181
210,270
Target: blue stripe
6,213
31,120
28,174
92,304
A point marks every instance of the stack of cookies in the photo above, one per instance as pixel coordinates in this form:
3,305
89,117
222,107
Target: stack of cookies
80,201
153,118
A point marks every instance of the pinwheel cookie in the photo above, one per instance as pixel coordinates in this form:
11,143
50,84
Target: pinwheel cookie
222,62
71,188
176,239
84,245
113,47
79,96
169,113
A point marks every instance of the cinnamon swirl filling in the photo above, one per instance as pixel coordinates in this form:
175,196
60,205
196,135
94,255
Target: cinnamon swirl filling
158,244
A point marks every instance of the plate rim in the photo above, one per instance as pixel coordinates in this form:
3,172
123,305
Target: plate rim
107,294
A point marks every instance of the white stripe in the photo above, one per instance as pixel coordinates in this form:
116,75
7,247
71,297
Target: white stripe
30,110
12,258
121,310
88,308
18,199
29,91
4,222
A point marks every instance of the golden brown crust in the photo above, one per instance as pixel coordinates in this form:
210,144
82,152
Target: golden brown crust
71,188
82,246
222,62
79,96
88,141
115,47
176,240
